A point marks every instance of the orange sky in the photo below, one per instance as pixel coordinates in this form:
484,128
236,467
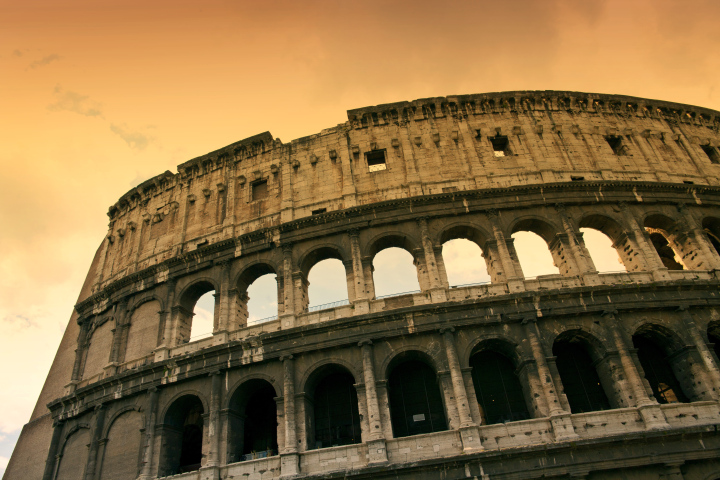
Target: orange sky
99,95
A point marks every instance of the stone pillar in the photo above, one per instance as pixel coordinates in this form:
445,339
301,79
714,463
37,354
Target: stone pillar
289,459
442,271
224,317
359,280
368,268
95,442
710,256
214,429
652,260
468,429
559,419
437,292
50,461
377,451
288,315
710,366
348,183
510,266
673,472
576,245
150,422
649,410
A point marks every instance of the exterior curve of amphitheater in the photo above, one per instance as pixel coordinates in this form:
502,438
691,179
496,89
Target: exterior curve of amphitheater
582,374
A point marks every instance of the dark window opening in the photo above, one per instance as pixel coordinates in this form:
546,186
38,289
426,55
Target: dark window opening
416,406
260,427
497,388
713,333
712,153
337,420
501,145
688,182
259,190
319,211
376,160
579,378
182,437
665,251
714,240
576,179
658,371
616,143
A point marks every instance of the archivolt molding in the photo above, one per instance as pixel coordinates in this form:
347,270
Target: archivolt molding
276,383
117,414
314,369
188,391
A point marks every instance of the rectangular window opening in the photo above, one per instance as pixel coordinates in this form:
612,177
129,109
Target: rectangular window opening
576,179
376,160
259,190
712,153
616,143
319,211
501,145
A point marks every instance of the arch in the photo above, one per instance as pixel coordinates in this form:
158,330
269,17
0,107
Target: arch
138,302
252,421
713,335
252,272
319,253
414,397
409,352
577,353
389,279
464,230
498,389
664,363
604,224
254,376
182,435
244,280
496,343
331,407
537,225
311,373
143,333
196,289
118,413
74,453
661,229
123,445
390,239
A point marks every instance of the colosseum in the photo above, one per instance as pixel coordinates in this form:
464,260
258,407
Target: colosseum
581,375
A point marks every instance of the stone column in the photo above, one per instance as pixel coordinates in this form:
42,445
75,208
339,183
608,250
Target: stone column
288,315
377,451
694,229
368,268
560,420
710,366
650,411
348,184
150,422
468,429
214,427
577,248
289,459
95,442
53,451
225,312
166,323
673,472
359,282
510,267
437,292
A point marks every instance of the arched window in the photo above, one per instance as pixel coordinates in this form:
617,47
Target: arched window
394,272
327,284
262,299
533,254
203,316
579,377
711,227
665,251
464,262
604,255
337,421
416,405
252,422
661,230
658,371
182,432
497,388
713,333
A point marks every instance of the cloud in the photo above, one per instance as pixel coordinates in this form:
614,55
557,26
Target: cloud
17,53
43,61
135,139
75,102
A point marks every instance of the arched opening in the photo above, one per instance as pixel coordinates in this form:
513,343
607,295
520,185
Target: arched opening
416,405
533,254
190,312
711,227
658,369
203,316
124,441
601,249
580,379
262,299
327,285
497,388
252,421
659,229
464,263
394,273
182,432
336,419
74,455
713,333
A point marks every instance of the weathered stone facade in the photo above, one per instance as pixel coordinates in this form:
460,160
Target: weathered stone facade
605,375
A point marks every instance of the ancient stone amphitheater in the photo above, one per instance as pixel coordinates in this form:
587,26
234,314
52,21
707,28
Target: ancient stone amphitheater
582,374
